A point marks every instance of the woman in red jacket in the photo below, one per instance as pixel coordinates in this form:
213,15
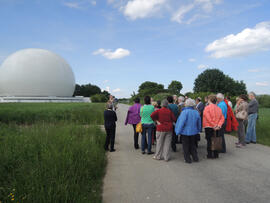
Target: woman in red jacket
213,120
164,118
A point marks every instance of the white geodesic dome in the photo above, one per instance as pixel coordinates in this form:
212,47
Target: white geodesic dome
36,73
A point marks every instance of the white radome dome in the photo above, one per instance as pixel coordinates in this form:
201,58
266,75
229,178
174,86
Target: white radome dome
36,73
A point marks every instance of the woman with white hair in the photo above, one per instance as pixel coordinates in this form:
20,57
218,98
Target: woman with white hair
164,118
189,125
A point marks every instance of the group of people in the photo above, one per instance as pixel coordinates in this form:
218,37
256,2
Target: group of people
181,120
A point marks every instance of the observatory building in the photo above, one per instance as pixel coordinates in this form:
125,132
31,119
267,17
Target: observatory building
37,75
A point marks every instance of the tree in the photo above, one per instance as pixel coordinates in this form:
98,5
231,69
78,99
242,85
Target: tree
175,87
214,80
86,90
150,88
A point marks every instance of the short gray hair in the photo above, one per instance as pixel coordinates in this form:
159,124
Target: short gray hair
109,105
220,96
164,103
181,98
252,93
190,102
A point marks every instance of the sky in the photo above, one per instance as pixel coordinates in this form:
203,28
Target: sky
119,44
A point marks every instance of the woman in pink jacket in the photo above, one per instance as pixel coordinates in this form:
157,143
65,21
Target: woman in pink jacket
212,122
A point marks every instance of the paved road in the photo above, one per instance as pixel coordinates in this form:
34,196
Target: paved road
241,175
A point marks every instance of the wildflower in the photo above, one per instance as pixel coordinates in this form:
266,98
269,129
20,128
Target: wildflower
12,199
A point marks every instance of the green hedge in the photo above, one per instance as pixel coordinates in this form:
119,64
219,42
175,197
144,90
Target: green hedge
99,98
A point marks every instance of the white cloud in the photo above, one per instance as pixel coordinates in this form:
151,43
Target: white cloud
117,54
135,9
107,89
105,81
200,8
191,60
254,70
249,41
202,66
72,5
262,84
116,90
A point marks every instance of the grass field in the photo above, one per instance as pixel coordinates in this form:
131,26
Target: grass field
57,158
263,126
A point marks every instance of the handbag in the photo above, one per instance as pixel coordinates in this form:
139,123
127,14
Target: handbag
242,115
216,142
139,128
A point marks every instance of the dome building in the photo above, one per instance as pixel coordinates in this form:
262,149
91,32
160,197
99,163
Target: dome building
36,75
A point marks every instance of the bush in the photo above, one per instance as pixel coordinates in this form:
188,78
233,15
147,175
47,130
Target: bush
99,98
161,96
264,101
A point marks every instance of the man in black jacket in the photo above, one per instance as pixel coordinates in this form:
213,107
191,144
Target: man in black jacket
109,122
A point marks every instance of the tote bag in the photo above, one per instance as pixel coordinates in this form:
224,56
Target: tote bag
216,142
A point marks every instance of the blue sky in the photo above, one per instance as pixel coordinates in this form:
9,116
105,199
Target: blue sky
118,44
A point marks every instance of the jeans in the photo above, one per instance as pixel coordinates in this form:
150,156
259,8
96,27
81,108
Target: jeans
251,128
147,128
241,132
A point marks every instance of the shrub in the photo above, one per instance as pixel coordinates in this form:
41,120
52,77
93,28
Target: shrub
99,98
264,101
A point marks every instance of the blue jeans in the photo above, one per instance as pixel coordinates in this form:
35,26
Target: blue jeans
147,128
251,128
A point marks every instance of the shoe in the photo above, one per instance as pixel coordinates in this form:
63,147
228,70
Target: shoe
150,153
253,142
155,158
239,145
143,152
137,147
196,160
188,162
112,150
209,157
247,142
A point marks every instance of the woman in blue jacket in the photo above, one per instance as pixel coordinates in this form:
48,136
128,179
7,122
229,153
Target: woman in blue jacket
189,125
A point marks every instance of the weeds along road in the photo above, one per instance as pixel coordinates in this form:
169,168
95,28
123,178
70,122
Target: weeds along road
240,175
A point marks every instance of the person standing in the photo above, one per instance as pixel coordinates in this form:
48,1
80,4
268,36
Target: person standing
164,118
200,107
253,107
241,114
229,101
213,120
223,106
174,108
110,118
133,118
147,124
189,125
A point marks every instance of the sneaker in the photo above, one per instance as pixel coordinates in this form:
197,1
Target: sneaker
247,142
143,152
239,145
253,142
150,153
155,158
112,150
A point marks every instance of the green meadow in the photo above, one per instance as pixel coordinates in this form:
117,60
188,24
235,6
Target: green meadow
51,152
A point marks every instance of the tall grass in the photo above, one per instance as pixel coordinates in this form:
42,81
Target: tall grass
263,126
30,113
48,161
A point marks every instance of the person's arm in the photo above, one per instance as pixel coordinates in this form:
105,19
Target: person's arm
154,116
115,116
199,122
221,120
127,118
180,123
173,117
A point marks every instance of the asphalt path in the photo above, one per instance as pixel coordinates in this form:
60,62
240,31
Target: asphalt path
240,175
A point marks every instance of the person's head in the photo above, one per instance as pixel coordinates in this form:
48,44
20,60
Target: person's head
243,97
147,100
212,99
164,103
109,105
137,100
175,98
228,98
190,103
206,99
181,99
154,103
159,103
170,99
220,97
198,100
237,99
251,95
